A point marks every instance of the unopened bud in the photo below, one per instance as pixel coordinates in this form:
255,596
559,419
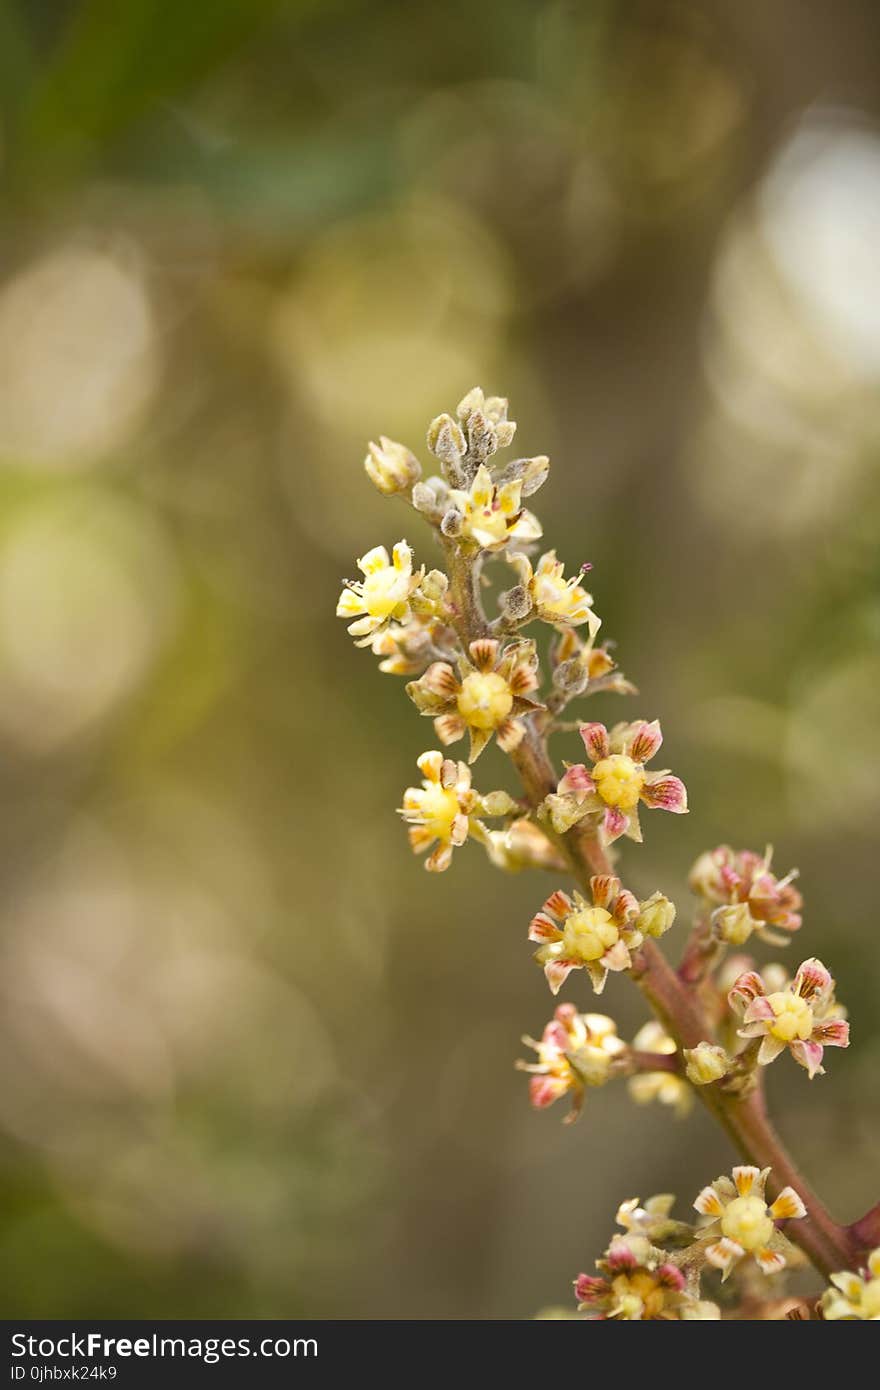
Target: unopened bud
656,915
391,466
474,400
515,604
733,924
482,439
532,473
705,1063
451,523
445,439
499,804
571,677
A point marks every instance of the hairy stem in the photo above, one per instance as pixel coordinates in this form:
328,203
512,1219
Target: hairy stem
676,1004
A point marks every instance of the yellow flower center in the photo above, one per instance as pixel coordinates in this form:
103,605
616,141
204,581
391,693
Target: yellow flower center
490,521
384,590
485,700
745,1220
619,781
589,933
638,1295
793,1016
439,807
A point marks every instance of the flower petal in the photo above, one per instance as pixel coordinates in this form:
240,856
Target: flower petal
449,728
708,1203
788,1206
769,1050
744,1178
604,888
543,929
812,979
576,781
724,1254
595,737
614,823
834,1032
809,1056
770,1261
557,972
645,742
666,794
746,987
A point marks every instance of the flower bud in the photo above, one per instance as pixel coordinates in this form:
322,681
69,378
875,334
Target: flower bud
532,473
705,1063
515,604
499,804
391,466
482,439
452,523
445,439
656,915
429,498
733,924
571,677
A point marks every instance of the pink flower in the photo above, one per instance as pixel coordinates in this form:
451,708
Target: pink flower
803,1016
638,1284
617,781
575,1051
742,880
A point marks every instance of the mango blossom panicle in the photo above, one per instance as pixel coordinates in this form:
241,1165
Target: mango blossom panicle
445,810
490,696
743,1222
638,1283
492,514
554,598
617,781
803,1016
854,1297
575,1051
747,896
382,596
578,935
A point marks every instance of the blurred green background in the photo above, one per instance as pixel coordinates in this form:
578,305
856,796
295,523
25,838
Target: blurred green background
256,1061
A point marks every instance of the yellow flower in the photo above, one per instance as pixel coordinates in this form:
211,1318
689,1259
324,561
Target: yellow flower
492,514
490,696
391,467
575,1051
576,934
445,809
554,598
855,1297
743,1222
382,596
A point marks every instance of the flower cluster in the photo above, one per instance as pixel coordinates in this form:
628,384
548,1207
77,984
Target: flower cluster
575,1051
741,1224
476,675
488,696
638,1283
612,788
803,1016
746,897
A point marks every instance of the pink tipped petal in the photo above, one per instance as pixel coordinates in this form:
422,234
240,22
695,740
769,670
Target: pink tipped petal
671,1276
708,1203
626,906
614,824
758,1010
833,1033
618,958
557,972
744,1178
576,782
770,1261
542,928
544,1090
620,1256
666,794
812,978
646,742
595,737
589,1289
558,904
809,1056
747,987
604,888
788,1206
